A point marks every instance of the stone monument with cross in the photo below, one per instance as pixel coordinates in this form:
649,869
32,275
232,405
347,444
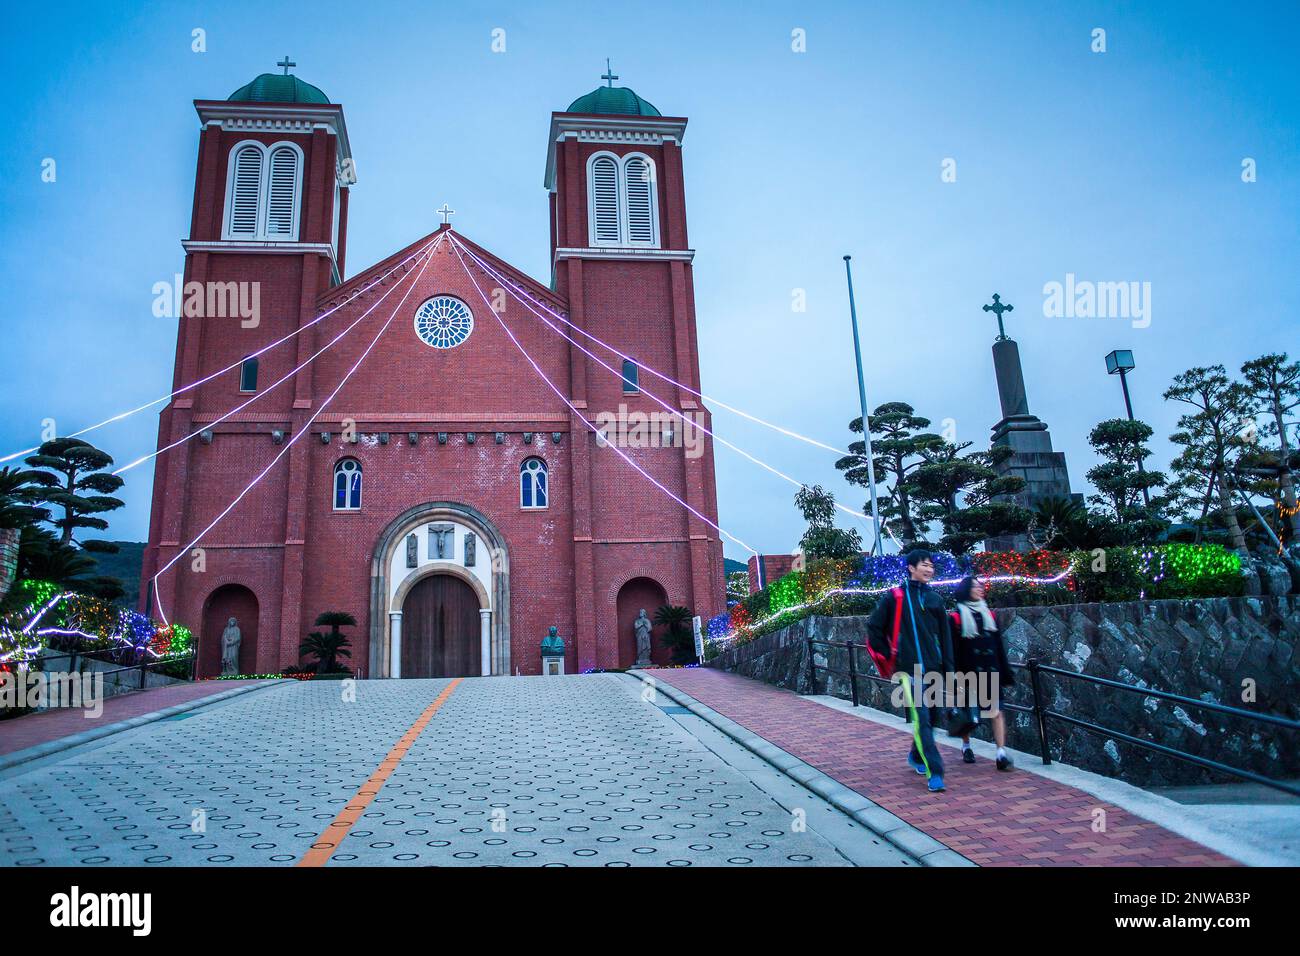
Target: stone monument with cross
1032,457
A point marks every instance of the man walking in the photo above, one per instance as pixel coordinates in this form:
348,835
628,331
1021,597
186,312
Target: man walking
910,632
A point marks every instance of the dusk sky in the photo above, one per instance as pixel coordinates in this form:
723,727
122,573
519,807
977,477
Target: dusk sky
1116,166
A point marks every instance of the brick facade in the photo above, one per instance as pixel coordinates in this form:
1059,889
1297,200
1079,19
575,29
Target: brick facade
605,525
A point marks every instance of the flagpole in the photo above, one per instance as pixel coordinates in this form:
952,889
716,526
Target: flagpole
866,425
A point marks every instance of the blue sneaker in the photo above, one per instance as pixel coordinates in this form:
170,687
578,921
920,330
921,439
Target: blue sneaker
936,784
915,764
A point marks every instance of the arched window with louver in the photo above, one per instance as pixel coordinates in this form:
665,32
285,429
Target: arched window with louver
282,194
243,202
263,191
639,174
606,230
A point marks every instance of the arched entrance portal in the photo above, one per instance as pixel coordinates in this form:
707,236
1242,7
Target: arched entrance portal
230,600
440,629
636,594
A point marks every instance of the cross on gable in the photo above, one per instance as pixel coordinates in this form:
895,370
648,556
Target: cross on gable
286,63
997,308
446,212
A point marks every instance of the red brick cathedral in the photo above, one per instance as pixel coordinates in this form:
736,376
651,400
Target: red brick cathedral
440,491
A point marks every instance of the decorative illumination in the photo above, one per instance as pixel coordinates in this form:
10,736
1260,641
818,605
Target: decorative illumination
222,371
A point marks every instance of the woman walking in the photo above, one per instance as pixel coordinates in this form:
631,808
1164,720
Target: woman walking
978,650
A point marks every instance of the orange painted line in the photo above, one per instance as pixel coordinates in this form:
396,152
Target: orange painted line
334,834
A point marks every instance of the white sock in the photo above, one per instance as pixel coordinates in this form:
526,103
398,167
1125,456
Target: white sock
965,745
1001,753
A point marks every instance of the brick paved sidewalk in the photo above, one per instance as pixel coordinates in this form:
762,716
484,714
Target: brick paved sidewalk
30,730
991,818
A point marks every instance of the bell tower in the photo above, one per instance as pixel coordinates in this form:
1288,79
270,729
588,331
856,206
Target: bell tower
621,258
268,236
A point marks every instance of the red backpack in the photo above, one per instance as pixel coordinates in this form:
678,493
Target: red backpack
886,665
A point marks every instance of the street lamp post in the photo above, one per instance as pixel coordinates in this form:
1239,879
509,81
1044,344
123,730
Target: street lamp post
1120,362
866,423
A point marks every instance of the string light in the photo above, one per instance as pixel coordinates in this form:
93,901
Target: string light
207,378
574,409
289,444
98,625
657,374
266,391
646,392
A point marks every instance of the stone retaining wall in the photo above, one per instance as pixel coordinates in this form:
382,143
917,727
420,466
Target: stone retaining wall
1219,649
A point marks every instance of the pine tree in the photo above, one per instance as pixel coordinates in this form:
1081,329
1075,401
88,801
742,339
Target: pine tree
900,445
74,467
962,490
1121,479
1274,385
1211,442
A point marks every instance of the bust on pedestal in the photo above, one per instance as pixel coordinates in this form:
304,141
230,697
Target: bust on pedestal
552,652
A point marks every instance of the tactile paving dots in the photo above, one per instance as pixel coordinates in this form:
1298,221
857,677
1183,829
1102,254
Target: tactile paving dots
571,771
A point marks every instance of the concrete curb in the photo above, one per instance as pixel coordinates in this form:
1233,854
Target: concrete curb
917,844
18,757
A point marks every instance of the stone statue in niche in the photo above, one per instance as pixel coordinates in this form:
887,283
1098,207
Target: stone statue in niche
439,548
642,627
470,547
231,638
412,551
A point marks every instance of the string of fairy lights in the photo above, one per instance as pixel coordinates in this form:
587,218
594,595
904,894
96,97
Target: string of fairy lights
688,422
120,416
574,409
298,434
129,630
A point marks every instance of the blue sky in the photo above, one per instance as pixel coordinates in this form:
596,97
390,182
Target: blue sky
1116,166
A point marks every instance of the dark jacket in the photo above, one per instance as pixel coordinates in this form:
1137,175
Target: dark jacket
933,629
982,652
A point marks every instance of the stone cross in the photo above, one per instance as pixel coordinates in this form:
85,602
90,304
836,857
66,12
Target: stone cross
446,212
997,308
286,63
608,76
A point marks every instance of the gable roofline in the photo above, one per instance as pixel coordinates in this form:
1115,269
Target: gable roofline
340,293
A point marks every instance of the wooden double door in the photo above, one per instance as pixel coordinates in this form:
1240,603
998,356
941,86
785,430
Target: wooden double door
440,629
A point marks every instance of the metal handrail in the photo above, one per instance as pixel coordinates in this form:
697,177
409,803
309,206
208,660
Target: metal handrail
142,666
1041,713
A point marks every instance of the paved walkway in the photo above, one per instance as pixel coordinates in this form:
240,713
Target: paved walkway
558,771
30,730
991,818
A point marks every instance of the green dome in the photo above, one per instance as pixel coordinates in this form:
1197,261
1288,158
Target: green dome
612,99
277,88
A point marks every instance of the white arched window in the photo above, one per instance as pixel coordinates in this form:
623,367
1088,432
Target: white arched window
347,485
245,190
638,176
532,483
282,193
622,200
263,191
605,218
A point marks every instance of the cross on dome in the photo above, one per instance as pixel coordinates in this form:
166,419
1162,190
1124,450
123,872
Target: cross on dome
286,63
609,76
